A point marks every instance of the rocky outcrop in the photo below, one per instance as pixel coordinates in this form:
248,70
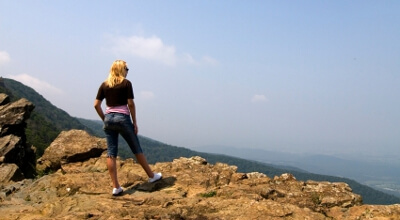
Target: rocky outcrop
17,158
191,188
13,117
79,187
10,172
70,146
4,99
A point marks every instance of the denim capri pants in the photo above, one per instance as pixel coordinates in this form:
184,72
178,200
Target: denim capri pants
118,123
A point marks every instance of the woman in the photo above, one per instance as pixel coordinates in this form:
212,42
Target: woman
118,92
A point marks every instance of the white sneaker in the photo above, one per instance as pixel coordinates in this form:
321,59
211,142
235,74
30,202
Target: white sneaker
157,176
117,191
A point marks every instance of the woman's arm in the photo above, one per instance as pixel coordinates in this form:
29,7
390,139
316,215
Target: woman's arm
132,109
97,106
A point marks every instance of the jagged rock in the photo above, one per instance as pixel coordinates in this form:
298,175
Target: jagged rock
13,149
9,148
70,146
191,188
13,146
255,175
13,116
4,99
13,187
10,172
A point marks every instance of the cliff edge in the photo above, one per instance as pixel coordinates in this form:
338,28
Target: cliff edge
191,189
75,184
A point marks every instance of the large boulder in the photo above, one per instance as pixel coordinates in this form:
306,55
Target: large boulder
10,172
13,146
9,146
13,149
13,117
70,146
4,99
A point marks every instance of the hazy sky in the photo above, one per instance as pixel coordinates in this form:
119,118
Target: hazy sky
295,76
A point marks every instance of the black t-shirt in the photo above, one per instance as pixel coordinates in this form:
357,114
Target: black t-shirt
117,95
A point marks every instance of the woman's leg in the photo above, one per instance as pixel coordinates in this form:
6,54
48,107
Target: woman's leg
128,133
143,162
112,170
112,148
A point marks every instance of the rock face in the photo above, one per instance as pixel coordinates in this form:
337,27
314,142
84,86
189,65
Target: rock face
191,188
17,158
70,146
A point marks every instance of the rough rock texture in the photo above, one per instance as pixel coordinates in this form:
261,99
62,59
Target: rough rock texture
13,117
10,172
4,99
190,189
70,146
80,188
17,158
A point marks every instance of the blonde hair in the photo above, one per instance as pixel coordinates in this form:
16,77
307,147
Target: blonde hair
118,72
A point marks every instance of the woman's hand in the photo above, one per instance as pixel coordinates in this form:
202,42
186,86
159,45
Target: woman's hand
132,109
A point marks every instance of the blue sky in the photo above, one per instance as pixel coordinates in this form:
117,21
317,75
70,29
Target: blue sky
293,76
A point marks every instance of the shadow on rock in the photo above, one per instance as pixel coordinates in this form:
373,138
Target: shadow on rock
160,184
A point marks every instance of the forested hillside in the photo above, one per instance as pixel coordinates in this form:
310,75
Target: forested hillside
46,120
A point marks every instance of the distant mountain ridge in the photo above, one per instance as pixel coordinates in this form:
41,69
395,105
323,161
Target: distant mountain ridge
47,121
